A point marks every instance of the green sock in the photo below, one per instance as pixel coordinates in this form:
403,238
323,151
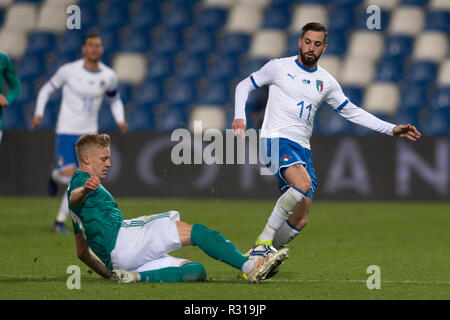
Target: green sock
214,244
188,272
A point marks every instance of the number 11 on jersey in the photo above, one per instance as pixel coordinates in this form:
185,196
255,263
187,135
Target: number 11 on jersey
308,107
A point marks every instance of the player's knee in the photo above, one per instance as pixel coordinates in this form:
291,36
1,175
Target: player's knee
193,271
304,185
184,232
297,176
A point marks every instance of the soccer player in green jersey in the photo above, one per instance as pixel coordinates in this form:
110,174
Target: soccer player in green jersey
137,249
7,74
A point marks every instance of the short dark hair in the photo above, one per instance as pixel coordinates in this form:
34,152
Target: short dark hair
89,36
314,26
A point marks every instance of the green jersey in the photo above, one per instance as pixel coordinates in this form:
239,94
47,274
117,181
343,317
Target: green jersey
98,219
8,74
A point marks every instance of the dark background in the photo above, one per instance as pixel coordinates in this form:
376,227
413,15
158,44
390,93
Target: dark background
347,168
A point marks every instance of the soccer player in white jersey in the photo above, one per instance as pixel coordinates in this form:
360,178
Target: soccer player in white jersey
297,88
84,84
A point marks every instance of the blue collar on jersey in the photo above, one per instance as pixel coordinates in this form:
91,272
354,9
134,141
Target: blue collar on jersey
303,67
98,71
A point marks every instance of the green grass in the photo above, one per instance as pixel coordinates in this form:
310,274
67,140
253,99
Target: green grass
328,260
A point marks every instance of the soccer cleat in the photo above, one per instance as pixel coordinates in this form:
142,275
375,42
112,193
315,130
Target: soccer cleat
59,227
123,276
264,266
258,242
274,271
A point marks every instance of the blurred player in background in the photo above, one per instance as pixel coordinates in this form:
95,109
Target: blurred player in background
137,249
84,83
297,87
7,74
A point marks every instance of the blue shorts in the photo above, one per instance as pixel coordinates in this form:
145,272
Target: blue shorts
65,155
289,153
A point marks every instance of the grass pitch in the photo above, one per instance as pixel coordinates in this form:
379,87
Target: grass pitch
328,260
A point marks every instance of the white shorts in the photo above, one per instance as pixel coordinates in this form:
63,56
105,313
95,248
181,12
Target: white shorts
144,243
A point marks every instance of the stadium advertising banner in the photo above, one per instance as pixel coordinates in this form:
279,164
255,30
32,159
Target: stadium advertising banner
211,166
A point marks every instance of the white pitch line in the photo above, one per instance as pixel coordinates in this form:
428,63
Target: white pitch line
341,281
438,282
31,277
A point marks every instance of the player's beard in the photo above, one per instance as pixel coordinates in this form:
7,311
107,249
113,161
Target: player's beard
95,59
309,61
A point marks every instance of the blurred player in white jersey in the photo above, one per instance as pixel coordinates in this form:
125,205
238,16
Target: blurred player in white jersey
84,83
297,88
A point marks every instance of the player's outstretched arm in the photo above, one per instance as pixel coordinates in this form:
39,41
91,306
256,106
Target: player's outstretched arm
91,260
407,131
123,126
42,99
78,195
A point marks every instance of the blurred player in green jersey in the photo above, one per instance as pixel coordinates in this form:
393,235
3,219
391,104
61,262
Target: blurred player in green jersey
7,74
137,249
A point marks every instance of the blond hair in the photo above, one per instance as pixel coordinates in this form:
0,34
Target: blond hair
97,140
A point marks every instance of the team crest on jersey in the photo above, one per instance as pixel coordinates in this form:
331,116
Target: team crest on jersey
319,85
102,84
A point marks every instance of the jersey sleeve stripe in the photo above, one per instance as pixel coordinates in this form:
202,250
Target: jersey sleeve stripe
342,105
254,83
53,86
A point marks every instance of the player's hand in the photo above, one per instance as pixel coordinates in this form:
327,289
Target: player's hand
91,184
239,126
123,126
407,131
36,121
3,101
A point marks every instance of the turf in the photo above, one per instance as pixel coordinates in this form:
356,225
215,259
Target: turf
328,260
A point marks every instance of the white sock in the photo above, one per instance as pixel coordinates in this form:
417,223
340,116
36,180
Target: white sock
63,212
248,266
284,207
284,235
60,178
268,233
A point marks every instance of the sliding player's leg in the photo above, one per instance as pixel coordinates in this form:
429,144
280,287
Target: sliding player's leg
165,269
143,240
215,245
